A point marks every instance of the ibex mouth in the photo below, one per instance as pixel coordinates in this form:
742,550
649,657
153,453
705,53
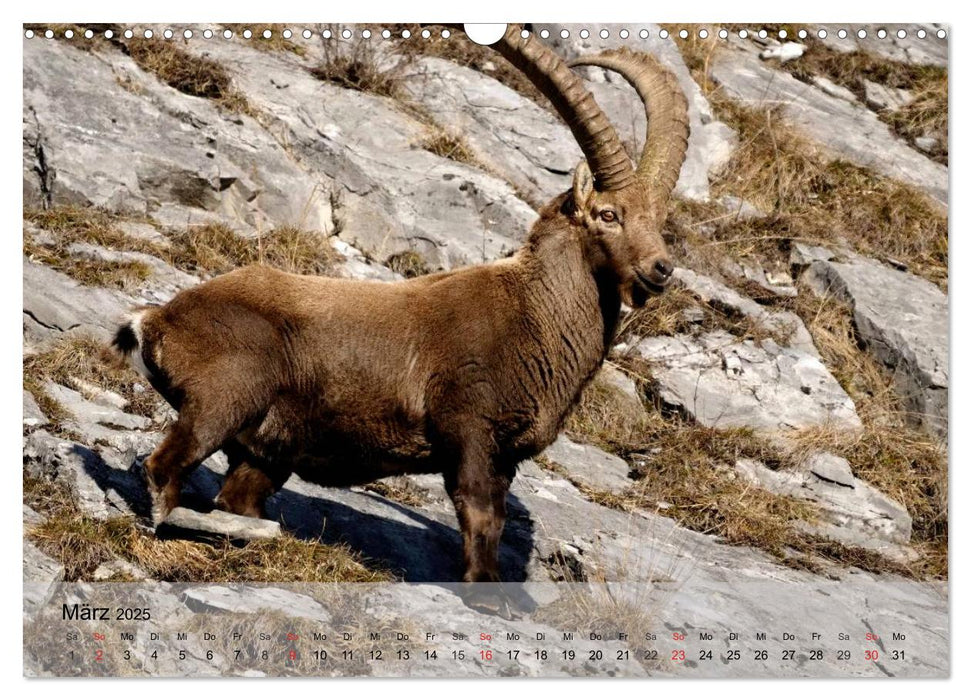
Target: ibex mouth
643,288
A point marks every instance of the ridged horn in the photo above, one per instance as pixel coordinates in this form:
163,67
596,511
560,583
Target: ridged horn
605,154
667,115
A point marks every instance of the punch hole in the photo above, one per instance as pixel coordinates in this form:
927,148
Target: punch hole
604,33
545,33
446,34
802,34
247,34
643,34
267,34
524,34
405,33
683,34
307,33
227,34
841,33
69,34
722,33
207,34
487,34
663,33
743,34
287,34
347,34
187,34
861,34
564,33
783,34
763,34
109,34
881,34
49,34
822,33
624,33
425,34
941,34
29,34
88,34
168,34
148,34
129,33
584,34
386,34
366,34
703,33
921,34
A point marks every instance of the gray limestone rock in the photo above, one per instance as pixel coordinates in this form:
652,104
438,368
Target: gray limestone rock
186,523
721,381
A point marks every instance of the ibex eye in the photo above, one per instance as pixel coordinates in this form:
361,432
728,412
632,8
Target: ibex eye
608,215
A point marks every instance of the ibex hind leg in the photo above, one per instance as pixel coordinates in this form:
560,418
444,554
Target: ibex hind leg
249,482
195,435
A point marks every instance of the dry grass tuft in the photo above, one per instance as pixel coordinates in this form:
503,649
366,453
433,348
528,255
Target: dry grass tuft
216,248
115,274
192,75
81,543
213,247
678,311
408,264
77,360
276,42
447,144
400,489
358,66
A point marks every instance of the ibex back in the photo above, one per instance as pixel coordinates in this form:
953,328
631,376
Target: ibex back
464,373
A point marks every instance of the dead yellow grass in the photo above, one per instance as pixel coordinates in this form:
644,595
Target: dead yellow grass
216,248
408,264
687,470
193,75
809,197
891,454
212,248
82,543
447,144
357,66
77,360
276,41
400,489
115,274
814,201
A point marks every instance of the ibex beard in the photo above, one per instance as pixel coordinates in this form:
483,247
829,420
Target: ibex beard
464,373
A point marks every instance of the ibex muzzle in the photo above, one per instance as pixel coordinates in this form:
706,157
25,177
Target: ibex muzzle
463,373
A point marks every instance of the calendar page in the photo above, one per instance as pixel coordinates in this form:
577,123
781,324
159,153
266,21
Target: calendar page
520,350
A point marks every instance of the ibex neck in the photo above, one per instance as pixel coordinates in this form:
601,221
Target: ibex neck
573,311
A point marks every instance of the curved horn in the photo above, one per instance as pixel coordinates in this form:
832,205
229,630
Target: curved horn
667,114
599,142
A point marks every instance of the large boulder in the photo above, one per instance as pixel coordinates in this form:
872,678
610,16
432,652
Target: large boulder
724,382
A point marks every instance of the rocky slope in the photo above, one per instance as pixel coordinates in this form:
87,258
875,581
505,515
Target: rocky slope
445,170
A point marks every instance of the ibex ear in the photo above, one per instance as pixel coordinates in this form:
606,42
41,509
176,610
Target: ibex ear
582,186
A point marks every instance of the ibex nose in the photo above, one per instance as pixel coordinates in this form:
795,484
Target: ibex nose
663,268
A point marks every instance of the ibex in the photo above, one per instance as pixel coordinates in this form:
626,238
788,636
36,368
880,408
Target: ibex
463,373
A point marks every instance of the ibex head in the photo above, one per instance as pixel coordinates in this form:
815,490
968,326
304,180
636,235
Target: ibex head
621,209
